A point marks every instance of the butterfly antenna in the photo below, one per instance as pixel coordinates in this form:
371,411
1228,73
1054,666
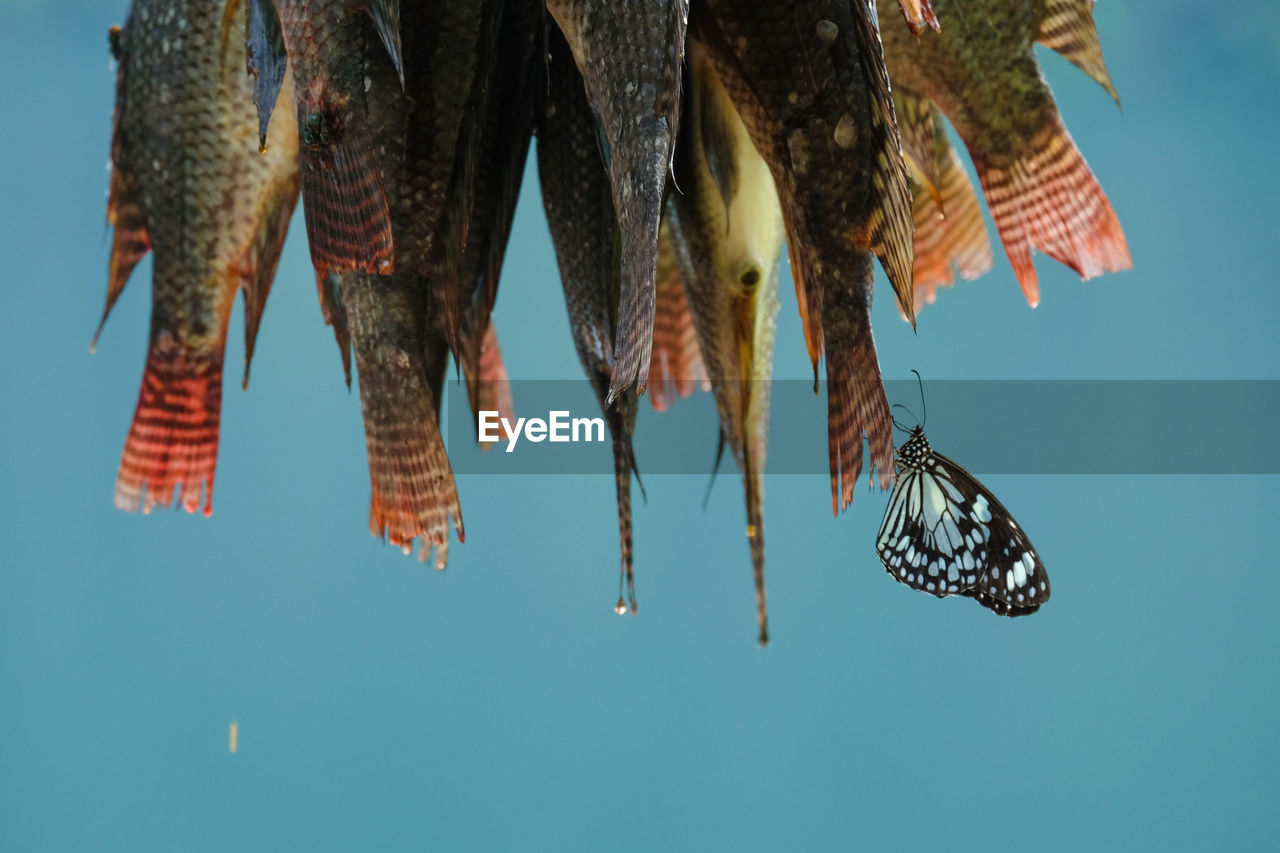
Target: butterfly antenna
924,409
898,423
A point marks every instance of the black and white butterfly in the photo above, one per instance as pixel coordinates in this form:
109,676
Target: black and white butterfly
944,533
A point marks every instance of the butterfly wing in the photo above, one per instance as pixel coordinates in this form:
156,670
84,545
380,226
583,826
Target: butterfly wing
945,534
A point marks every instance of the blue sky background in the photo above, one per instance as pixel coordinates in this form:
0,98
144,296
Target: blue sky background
503,703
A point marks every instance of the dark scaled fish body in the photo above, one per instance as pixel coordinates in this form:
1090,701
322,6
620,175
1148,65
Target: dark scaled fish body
630,55
981,70
728,232
492,149
395,328
329,45
580,214
189,183
809,82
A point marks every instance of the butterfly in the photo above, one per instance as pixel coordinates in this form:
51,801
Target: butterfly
944,533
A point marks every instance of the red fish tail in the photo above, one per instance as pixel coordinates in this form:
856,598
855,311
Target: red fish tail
676,367
950,234
173,442
1049,199
488,385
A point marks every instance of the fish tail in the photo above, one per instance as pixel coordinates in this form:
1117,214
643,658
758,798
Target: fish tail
856,403
950,234
173,442
413,494
1068,28
1048,198
623,465
348,221
676,367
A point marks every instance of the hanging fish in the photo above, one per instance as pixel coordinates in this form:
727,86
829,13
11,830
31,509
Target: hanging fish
630,55
188,182
400,351
809,82
584,228
981,70
727,228
348,221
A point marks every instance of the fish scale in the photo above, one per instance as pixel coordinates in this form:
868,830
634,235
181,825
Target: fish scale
189,183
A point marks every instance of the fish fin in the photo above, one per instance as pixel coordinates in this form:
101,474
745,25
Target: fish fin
348,221
856,403
335,315
891,225
130,241
173,442
623,465
951,235
916,124
257,265
488,386
753,481
266,60
676,368
807,284
413,493
1068,28
1048,198
919,14
385,15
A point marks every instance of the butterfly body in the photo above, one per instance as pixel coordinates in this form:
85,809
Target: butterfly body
945,534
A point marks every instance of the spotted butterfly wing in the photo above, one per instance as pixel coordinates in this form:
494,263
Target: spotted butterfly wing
945,534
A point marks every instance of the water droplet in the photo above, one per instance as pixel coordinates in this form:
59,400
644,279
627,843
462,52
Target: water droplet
846,131
620,608
827,31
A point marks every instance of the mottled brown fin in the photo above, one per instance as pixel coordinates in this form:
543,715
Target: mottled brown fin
1050,200
257,267
335,315
891,224
266,59
1067,27
385,15
676,368
856,403
919,14
950,234
348,223
173,442
129,241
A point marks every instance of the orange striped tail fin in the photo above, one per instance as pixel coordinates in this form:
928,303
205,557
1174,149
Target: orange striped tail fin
1049,199
173,443
950,234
